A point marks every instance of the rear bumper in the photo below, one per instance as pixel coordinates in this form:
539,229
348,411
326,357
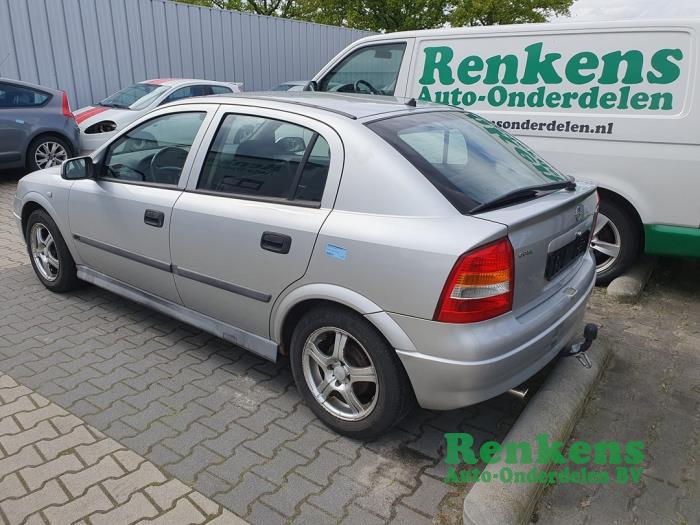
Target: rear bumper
460,365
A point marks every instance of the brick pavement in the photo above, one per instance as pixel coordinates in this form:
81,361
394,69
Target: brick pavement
649,392
220,420
55,469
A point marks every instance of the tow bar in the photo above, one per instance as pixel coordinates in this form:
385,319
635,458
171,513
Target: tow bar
578,350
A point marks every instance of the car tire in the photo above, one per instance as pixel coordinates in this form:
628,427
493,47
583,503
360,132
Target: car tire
47,151
616,240
382,403
49,255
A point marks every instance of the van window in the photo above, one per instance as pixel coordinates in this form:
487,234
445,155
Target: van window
466,158
369,70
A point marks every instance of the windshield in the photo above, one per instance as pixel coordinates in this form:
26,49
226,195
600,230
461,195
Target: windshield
138,96
468,159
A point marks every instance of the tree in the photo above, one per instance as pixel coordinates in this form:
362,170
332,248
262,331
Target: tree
401,15
493,12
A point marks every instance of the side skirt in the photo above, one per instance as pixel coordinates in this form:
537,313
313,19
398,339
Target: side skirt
256,344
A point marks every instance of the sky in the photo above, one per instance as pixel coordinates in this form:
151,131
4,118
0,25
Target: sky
623,9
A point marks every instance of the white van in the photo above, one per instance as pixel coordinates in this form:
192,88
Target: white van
613,102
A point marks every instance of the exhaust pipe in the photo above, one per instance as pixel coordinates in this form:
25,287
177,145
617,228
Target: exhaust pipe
519,391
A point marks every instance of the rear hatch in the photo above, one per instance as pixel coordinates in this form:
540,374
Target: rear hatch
549,235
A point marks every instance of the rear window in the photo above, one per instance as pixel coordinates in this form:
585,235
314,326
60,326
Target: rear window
468,159
13,96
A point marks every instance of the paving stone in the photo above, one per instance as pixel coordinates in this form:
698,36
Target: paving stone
227,442
337,495
246,492
187,468
35,477
185,441
428,496
14,442
94,500
28,456
138,507
321,468
105,468
154,434
261,513
289,495
66,423
267,443
184,512
280,465
359,516
93,452
233,468
382,496
11,486
165,495
310,515
120,488
53,447
16,510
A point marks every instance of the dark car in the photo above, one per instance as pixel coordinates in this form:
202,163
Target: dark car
37,128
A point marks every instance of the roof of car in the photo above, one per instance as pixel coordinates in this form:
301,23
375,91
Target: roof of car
349,105
179,81
30,85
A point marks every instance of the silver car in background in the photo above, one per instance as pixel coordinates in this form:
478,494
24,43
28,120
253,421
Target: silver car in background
395,251
37,128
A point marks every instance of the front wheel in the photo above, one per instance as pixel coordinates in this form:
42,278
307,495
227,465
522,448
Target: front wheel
49,255
348,374
615,241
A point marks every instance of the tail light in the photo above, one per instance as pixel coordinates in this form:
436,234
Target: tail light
66,107
480,286
595,214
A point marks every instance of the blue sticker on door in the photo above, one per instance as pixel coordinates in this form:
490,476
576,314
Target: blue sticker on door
336,252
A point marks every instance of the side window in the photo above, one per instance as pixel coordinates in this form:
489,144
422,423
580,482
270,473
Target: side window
155,151
188,92
370,70
267,159
219,90
13,96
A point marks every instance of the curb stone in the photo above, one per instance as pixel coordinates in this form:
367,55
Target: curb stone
628,288
553,410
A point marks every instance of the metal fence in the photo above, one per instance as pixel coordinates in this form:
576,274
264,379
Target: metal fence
91,48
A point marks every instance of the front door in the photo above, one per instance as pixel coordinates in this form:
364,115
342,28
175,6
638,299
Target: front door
121,218
245,228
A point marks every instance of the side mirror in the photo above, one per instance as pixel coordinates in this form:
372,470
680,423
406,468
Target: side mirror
78,168
311,86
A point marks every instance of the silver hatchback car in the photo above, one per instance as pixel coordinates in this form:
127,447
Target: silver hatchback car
395,251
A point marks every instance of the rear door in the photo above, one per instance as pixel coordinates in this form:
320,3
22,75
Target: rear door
245,227
20,112
121,219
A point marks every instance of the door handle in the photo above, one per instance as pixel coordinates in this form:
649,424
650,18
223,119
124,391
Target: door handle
275,242
154,218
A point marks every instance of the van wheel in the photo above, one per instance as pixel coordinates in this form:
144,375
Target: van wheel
615,241
348,374
49,255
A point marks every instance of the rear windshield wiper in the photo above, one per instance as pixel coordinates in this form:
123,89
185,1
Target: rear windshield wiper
523,194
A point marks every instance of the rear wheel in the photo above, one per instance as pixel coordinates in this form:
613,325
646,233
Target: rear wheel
47,151
615,241
348,374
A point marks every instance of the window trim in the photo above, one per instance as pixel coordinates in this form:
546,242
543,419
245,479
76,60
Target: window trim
351,52
49,96
289,200
104,153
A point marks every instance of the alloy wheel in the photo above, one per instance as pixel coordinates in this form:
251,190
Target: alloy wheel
50,154
340,373
606,243
44,251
